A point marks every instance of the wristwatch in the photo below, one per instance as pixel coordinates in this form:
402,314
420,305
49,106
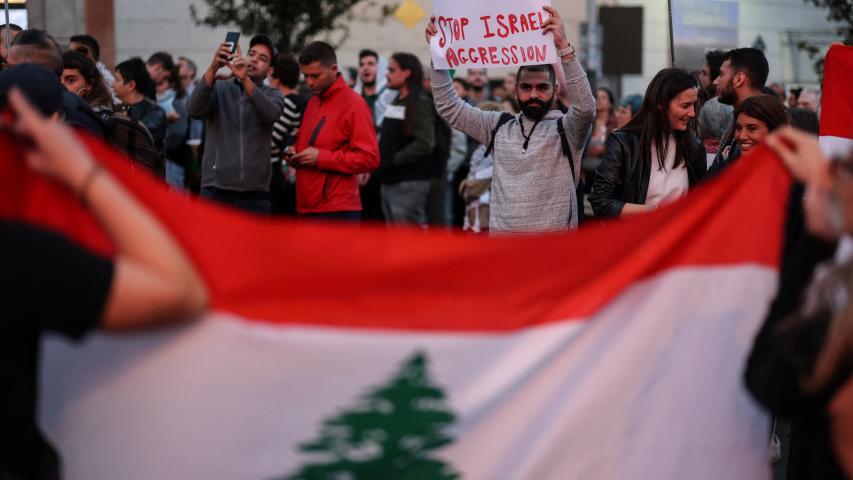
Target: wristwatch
570,50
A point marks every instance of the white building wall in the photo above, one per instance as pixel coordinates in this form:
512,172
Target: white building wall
146,26
775,20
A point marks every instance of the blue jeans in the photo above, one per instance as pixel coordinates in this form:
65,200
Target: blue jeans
337,216
175,174
255,202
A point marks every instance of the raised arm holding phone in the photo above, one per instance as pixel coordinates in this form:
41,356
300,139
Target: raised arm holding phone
236,163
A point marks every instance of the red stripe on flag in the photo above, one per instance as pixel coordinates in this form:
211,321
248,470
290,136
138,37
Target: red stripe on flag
836,112
292,272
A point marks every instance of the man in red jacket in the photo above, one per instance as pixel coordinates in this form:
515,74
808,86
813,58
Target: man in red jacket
336,142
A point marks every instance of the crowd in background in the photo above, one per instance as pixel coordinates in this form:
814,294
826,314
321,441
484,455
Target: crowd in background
445,180
278,133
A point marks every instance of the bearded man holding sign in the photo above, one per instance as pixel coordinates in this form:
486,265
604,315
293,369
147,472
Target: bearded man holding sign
537,153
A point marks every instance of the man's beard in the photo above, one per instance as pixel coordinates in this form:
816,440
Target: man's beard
369,83
726,95
477,88
536,109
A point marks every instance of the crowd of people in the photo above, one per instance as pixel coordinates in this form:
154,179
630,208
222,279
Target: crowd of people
407,144
248,133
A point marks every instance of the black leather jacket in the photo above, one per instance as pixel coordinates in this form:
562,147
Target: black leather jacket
623,177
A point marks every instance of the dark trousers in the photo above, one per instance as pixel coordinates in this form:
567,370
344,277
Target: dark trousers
335,216
255,202
282,192
371,201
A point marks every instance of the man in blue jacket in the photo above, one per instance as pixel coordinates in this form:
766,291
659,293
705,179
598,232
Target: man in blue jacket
239,114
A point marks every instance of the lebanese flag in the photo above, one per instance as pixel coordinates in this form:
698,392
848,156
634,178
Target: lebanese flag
336,351
836,109
359,352
836,115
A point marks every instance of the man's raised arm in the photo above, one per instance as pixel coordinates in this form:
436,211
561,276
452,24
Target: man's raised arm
458,114
200,104
578,120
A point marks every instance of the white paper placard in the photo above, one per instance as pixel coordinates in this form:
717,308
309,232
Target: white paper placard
491,34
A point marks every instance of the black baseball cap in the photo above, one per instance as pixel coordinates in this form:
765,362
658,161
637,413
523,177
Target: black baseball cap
264,40
38,84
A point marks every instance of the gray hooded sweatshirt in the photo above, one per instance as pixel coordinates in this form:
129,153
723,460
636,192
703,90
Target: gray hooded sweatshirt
532,190
238,132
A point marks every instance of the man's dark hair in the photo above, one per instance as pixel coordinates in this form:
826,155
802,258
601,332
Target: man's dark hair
806,120
135,70
161,58
90,42
266,41
765,90
12,26
367,53
714,59
41,49
286,70
461,81
537,68
318,52
750,61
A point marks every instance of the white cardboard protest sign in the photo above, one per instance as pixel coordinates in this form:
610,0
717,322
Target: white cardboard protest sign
490,34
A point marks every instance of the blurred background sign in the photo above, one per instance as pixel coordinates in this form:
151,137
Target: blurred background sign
701,24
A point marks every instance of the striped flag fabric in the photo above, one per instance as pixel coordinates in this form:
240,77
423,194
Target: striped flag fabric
836,110
356,352
334,351
836,115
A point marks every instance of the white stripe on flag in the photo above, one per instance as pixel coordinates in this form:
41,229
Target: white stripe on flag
834,146
648,388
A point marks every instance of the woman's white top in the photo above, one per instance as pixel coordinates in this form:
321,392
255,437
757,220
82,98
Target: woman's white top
668,184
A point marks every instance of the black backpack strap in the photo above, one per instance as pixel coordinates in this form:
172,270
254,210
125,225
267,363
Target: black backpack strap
131,143
579,186
505,117
564,141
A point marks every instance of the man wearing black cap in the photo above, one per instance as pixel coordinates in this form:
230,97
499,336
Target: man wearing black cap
239,114
39,85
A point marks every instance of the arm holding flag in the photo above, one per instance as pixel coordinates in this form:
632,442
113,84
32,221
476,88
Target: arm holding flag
153,279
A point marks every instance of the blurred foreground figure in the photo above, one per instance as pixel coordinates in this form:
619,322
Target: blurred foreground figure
48,283
802,354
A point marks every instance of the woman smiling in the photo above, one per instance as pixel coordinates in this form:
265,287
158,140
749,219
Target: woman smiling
755,118
655,159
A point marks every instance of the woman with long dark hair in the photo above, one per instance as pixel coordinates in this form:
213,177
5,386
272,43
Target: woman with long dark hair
406,144
81,77
655,158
